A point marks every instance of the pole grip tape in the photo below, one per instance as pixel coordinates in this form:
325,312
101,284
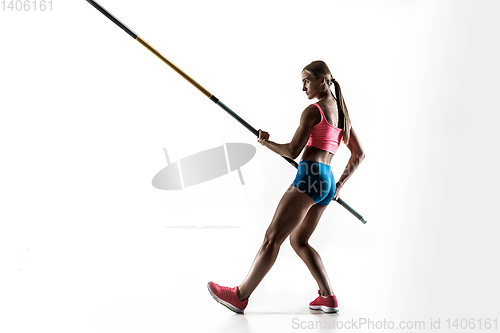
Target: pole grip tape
352,211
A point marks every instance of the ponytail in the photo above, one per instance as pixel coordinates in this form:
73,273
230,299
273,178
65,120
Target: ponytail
344,120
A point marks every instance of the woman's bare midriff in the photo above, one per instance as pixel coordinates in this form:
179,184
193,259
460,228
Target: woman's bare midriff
315,154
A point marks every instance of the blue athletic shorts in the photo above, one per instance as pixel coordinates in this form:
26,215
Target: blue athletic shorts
316,180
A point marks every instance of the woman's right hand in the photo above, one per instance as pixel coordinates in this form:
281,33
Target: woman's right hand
338,186
263,136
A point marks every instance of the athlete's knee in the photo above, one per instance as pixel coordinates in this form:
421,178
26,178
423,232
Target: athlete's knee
272,238
298,242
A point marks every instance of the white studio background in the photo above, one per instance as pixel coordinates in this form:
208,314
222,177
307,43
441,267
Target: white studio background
88,244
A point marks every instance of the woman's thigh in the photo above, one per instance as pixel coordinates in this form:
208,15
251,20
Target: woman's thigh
304,230
291,210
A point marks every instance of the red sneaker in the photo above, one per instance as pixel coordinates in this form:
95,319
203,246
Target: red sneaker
227,297
326,304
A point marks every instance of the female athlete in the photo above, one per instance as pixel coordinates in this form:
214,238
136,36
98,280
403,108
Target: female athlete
323,126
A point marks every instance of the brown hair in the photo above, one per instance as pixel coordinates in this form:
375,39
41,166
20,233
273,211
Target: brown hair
319,69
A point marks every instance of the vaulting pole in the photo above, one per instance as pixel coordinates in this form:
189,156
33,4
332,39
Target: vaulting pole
200,88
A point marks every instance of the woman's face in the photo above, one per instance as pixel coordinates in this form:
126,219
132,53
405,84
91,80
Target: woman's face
312,86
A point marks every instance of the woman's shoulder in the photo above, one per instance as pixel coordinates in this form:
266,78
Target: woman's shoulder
312,113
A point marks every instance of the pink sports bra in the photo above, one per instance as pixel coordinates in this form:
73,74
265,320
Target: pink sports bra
324,136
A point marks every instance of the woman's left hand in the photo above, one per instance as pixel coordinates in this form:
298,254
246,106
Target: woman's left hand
263,136
337,190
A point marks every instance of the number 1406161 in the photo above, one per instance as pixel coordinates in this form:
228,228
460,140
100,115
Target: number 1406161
27,5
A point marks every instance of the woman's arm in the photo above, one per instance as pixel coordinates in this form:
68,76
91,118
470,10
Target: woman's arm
292,150
357,155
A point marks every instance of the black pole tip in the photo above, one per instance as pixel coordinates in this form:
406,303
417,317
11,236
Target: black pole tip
112,18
